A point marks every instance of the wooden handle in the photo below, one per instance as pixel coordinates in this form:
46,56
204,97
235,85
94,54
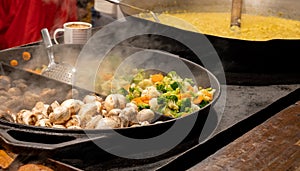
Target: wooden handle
236,12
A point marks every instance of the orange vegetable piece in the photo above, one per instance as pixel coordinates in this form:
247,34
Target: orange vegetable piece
198,100
184,95
26,56
137,100
207,94
145,99
14,62
156,78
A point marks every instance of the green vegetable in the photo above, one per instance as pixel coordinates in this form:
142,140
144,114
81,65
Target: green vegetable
185,105
172,97
174,85
203,103
133,93
139,77
161,88
161,100
143,106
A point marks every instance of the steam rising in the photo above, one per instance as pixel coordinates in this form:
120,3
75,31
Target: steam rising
22,90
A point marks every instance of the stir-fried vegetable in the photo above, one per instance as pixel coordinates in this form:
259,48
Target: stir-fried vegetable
170,94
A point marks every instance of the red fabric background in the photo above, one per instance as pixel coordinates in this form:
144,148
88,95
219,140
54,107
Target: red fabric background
22,20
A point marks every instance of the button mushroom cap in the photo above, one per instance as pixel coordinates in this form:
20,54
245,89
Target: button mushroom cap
114,101
145,115
73,105
74,121
128,114
5,82
60,115
86,112
106,123
93,122
44,123
91,99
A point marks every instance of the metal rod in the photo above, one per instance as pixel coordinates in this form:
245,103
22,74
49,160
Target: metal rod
135,8
236,12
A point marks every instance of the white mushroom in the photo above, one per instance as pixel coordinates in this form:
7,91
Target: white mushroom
58,126
60,115
74,127
128,115
135,125
113,112
145,115
27,117
113,101
92,98
117,119
144,123
21,84
42,109
14,91
73,105
44,123
74,121
93,122
132,105
54,105
86,112
6,116
106,123
5,82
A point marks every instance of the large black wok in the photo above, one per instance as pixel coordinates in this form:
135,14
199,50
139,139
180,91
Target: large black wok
39,140
269,57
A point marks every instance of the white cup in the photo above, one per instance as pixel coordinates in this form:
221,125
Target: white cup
75,32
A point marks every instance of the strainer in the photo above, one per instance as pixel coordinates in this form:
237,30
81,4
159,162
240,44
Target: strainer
59,71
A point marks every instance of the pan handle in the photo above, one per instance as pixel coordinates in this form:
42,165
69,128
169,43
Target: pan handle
35,141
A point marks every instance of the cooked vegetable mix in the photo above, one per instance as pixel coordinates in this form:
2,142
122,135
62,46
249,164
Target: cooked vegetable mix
170,94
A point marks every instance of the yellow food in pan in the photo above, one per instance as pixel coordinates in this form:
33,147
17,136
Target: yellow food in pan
258,28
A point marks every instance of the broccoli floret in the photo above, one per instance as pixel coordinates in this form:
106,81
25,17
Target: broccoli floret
203,103
138,77
143,106
172,97
161,88
173,75
133,93
185,105
174,85
161,100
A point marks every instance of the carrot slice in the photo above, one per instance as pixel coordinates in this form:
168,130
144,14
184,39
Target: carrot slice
26,56
156,78
14,62
198,100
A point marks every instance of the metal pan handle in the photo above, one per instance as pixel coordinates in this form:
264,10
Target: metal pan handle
35,141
